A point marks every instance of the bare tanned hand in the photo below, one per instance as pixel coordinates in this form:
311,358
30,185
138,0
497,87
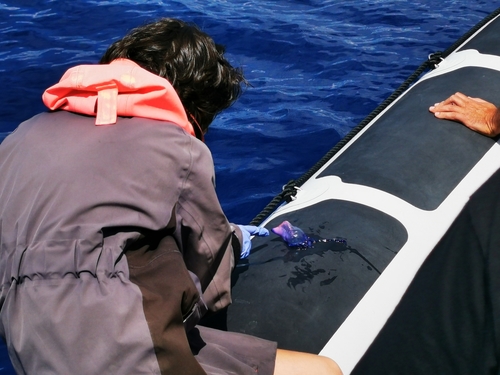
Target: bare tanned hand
477,114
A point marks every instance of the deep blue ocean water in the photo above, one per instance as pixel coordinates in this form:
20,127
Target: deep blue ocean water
316,68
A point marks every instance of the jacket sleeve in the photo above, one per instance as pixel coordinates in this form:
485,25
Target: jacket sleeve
210,244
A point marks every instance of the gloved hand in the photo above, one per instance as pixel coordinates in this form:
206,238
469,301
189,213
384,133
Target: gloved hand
248,231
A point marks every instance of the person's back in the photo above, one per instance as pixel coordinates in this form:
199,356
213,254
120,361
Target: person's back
72,195
78,178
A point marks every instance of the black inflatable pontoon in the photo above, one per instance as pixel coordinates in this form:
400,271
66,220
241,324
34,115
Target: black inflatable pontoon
392,192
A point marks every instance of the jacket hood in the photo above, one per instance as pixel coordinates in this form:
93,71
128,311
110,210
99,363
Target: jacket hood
121,88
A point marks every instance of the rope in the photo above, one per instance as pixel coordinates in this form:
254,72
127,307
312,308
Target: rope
290,189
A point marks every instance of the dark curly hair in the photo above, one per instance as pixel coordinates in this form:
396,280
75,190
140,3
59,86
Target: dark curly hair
189,59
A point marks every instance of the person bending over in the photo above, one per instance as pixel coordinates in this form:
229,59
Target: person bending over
113,243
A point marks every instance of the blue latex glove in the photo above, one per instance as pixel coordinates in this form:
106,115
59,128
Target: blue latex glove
248,231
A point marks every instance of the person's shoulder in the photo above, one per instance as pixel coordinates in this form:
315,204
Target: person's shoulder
163,133
26,127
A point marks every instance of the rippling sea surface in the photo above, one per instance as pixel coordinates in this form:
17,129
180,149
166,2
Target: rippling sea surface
316,69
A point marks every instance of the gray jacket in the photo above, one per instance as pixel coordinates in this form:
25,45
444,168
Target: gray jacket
74,196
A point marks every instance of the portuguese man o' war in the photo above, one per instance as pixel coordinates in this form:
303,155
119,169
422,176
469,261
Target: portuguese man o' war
295,237
301,246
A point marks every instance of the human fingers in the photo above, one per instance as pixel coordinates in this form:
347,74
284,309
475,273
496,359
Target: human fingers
449,110
457,99
449,113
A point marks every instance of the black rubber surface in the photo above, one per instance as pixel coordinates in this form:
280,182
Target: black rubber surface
487,41
413,155
300,297
447,322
